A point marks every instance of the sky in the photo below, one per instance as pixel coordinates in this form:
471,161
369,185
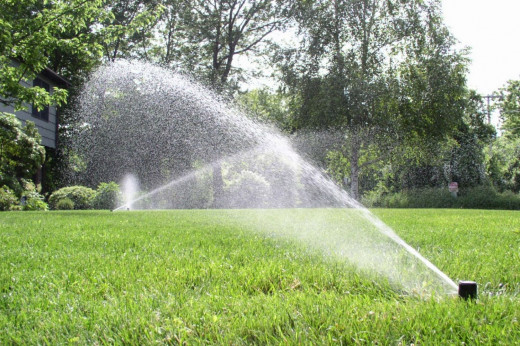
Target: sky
491,28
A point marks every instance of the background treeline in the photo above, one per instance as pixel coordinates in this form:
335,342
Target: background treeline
373,91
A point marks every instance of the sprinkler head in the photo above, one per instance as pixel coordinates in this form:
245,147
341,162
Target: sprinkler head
468,290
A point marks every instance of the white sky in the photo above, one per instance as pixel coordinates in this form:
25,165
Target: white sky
491,28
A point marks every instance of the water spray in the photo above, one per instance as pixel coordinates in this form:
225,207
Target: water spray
183,124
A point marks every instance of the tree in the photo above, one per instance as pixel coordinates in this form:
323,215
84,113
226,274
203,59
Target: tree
67,36
503,163
504,155
384,72
509,107
31,32
168,47
212,34
267,106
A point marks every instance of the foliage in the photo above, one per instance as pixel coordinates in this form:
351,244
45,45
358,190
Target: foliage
65,204
503,163
465,163
417,198
69,37
108,196
207,37
32,32
249,190
200,193
8,198
480,197
266,106
509,107
81,196
52,171
129,27
384,72
422,163
21,153
483,197
187,275
33,201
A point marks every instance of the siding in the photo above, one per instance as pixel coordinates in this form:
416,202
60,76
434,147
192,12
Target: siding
47,129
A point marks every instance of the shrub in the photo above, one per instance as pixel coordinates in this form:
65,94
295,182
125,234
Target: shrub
107,196
486,197
22,153
34,201
481,197
65,204
248,190
81,196
8,199
431,198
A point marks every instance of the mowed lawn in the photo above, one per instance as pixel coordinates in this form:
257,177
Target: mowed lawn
200,276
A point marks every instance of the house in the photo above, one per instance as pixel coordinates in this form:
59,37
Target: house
46,120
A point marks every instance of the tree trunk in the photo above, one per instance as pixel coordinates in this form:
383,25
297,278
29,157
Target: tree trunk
218,186
354,169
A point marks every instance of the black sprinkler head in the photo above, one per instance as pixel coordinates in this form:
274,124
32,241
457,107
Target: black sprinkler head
468,290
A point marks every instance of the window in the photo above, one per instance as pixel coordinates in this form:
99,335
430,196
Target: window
44,113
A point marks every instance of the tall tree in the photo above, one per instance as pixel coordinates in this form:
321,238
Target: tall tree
384,71
509,107
168,46
212,34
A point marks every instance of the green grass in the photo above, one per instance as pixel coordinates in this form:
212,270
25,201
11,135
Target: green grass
203,277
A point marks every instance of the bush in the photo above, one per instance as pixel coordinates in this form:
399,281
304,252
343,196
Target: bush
81,196
65,204
34,201
431,198
481,197
22,153
248,190
486,197
8,199
107,196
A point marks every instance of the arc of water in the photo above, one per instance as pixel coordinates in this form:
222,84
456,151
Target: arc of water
331,189
342,195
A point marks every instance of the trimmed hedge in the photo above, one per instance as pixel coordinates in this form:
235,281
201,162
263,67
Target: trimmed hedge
81,196
77,197
107,196
481,197
65,204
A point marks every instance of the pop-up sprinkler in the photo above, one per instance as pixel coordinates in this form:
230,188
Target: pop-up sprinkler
468,290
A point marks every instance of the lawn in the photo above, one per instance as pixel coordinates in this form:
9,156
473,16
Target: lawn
208,276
